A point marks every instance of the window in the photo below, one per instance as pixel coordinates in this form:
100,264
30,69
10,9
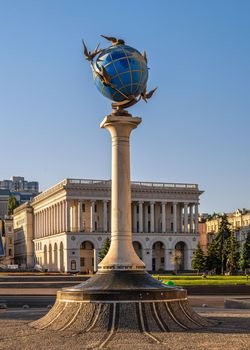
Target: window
148,209
137,225
82,262
10,252
73,265
172,226
95,226
83,207
172,209
162,260
149,226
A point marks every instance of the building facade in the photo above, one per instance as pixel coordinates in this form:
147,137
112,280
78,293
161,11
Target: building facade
71,221
239,223
7,236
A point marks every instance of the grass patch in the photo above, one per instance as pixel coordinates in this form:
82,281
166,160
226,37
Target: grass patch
200,281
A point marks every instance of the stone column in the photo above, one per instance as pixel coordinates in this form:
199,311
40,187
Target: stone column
163,217
175,217
140,216
134,217
145,217
96,259
67,216
185,218
191,218
196,218
92,216
152,216
121,255
105,215
80,222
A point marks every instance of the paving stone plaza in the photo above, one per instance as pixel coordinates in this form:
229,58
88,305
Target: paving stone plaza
232,333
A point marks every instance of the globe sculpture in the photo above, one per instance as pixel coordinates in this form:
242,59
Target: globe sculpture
121,299
120,73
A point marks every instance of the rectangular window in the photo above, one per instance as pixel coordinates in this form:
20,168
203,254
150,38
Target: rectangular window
172,226
73,265
83,207
148,209
172,209
95,208
162,260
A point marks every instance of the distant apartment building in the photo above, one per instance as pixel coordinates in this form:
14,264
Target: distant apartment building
64,228
19,184
239,223
18,187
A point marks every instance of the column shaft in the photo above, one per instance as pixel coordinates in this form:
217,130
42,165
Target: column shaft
174,217
163,217
152,216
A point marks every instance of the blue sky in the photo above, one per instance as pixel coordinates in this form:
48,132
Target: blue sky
196,127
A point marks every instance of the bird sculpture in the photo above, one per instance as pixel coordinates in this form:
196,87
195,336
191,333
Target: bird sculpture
146,95
88,54
114,40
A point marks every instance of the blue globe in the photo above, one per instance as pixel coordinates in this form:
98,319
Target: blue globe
128,71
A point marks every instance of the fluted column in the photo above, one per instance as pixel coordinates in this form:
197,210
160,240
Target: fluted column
145,217
174,217
140,216
152,216
80,222
191,224
196,218
105,215
185,218
163,217
92,216
134,217
67,216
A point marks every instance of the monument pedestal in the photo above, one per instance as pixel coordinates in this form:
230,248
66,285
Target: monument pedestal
122,296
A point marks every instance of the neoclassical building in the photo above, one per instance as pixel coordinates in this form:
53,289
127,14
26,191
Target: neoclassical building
71,220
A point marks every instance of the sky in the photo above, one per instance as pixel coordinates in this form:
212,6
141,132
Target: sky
196,127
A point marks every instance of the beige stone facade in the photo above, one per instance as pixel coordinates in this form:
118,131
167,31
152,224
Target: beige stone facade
8,242
24,235
239,223
71,220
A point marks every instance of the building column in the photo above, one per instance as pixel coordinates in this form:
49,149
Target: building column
134,217
105,215
196,218
163,217
140,216
152,216
96,259
185,218
191,224
146,217
67,216
80,222
174,217
92,216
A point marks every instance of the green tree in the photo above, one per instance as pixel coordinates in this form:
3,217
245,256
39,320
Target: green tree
199,259
213,259
12,204
244,261
232,251
224,232
105,249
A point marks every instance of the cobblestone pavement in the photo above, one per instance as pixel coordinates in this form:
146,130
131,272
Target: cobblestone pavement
232,332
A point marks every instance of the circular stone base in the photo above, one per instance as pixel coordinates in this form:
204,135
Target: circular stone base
121,301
